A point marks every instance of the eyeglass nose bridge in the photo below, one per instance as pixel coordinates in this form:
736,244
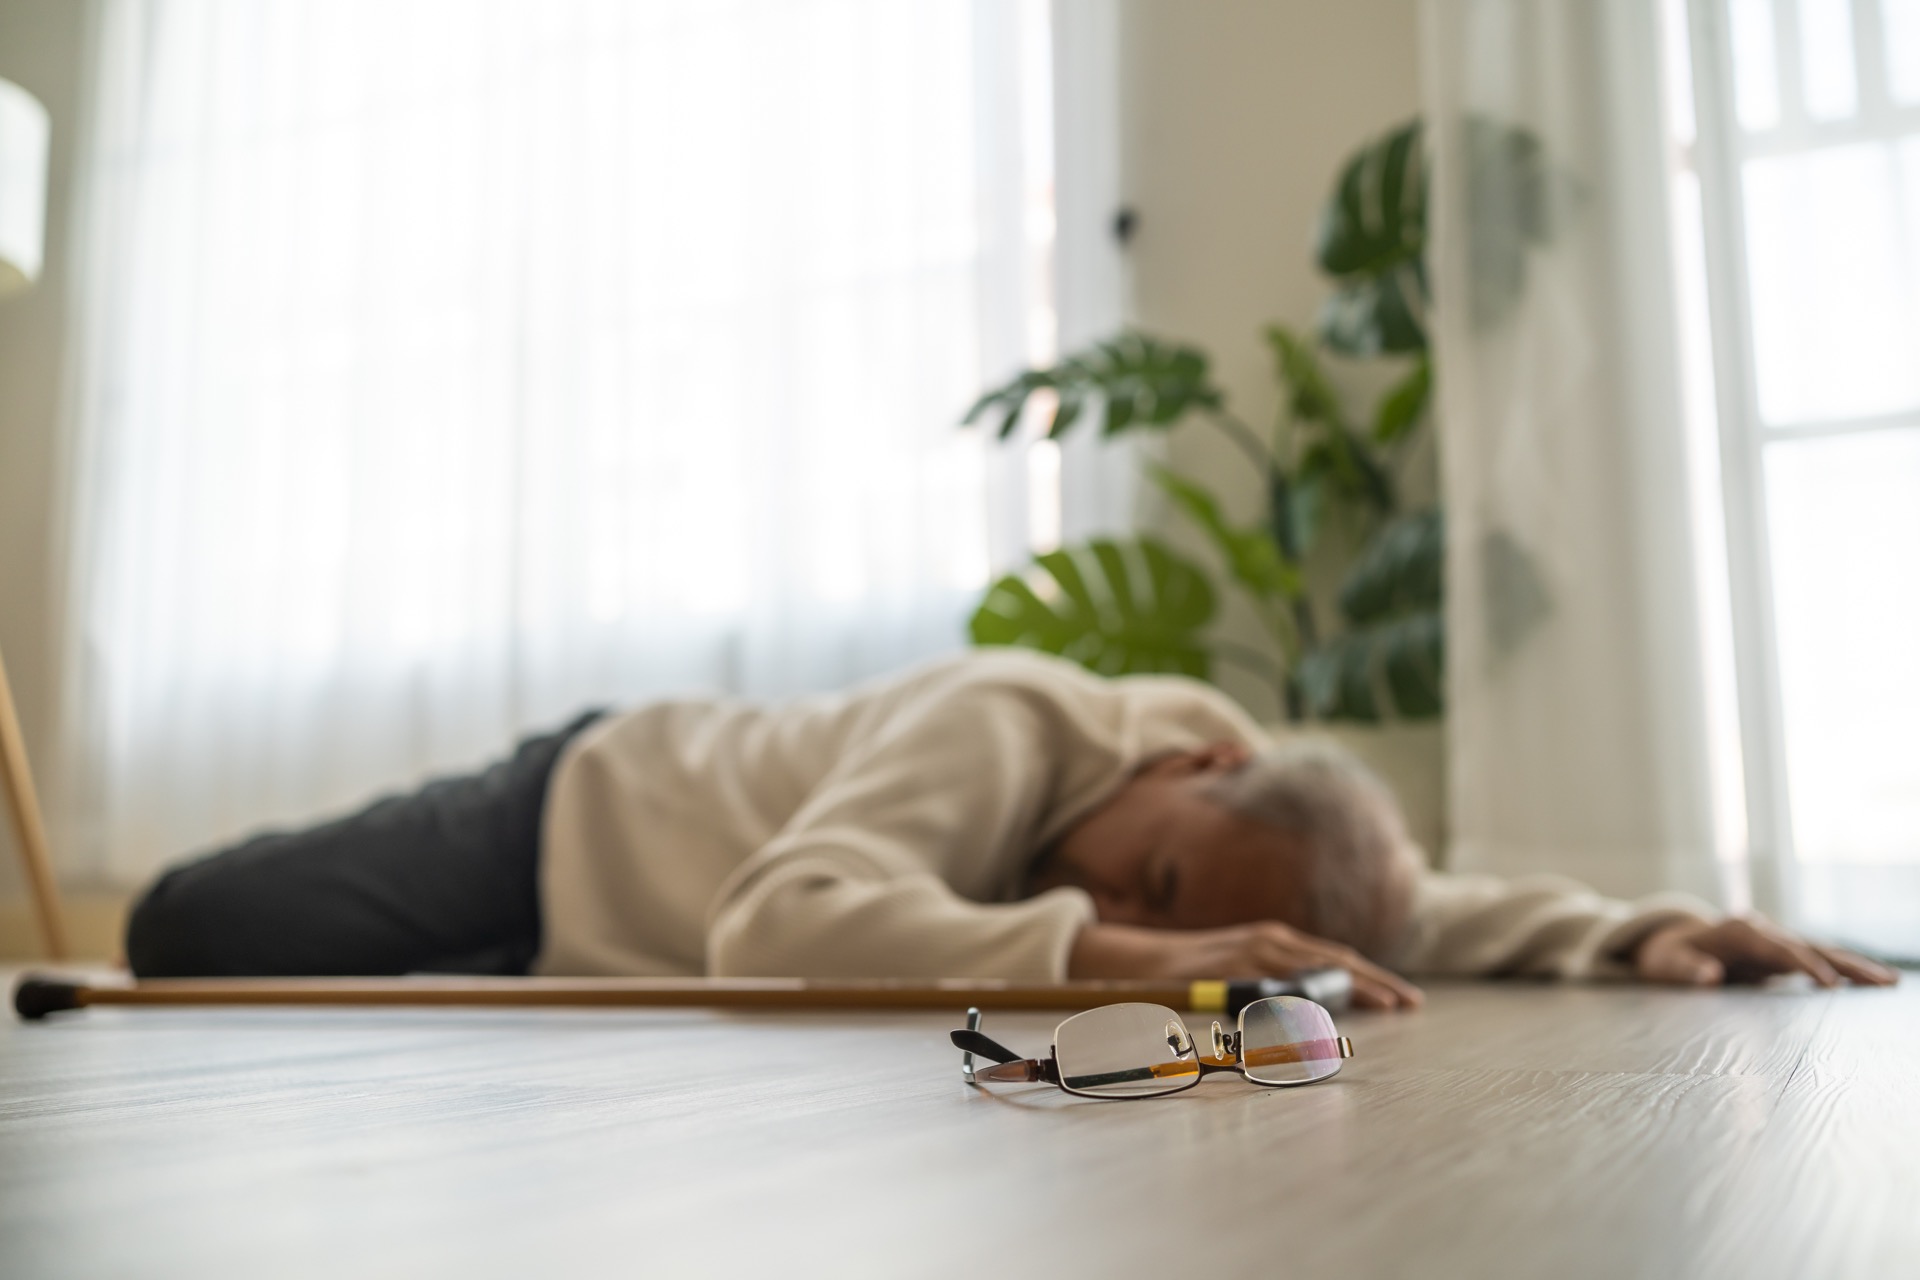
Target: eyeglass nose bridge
1223,1044
1222,1047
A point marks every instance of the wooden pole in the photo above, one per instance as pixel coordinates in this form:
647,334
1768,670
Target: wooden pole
28,832
37,995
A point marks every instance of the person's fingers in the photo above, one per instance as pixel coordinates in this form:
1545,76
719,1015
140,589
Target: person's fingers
1387,991
1858,968
1773,951
1410,996
1369,995
1395,991
1677,961
1373,986
1365,972
1809,960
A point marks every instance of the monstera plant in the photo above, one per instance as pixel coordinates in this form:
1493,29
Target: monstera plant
1137,605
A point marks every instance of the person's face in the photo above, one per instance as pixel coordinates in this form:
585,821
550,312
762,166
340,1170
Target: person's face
1163,854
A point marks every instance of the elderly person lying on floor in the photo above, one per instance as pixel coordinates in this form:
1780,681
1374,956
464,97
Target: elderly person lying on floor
996,815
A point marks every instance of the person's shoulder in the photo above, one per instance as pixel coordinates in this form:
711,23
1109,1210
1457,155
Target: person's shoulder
1029,669
986,668
992,684
1193,702
1000,674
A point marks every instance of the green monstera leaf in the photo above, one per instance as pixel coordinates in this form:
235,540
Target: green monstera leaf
1398,572
1372,236
1391,661
1404,404
1310,394
1132,381
1116,608
1372,240
1250,553
1395,668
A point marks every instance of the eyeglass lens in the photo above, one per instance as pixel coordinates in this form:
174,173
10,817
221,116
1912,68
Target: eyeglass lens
1125,1051
1288,1040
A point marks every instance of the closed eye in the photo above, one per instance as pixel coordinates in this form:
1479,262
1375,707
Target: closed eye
1167,887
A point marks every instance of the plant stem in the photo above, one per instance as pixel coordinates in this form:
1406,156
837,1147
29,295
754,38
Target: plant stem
1303,623
1280,520
1283,430
1273,616
1306,634
1243,435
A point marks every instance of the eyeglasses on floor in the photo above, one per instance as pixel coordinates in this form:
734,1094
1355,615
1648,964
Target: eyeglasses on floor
1146,1051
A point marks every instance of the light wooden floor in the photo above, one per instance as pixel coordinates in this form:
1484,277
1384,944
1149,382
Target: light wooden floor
1506,1131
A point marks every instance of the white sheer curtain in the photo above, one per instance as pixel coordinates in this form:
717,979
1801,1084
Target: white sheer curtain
447,367
1588,728
1681,446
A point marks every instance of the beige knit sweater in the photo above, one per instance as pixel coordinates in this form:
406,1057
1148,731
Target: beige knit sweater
886,831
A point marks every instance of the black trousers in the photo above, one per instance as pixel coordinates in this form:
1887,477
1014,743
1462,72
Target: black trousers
443,880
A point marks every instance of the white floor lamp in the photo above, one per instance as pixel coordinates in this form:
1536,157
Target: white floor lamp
23,203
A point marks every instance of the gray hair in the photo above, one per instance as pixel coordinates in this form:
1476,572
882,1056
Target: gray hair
1346,830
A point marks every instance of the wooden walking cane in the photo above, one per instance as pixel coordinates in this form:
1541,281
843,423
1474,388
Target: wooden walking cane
38,995
27,830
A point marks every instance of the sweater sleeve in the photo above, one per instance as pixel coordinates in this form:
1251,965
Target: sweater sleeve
1532,926
860,883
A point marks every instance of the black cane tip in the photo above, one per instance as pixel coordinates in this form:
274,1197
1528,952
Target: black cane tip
34,996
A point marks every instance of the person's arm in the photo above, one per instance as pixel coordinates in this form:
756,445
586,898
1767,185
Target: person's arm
1548,926
1541,926
857,884
824,918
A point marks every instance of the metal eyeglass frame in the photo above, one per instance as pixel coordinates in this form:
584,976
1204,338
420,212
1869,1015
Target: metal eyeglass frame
1011,1068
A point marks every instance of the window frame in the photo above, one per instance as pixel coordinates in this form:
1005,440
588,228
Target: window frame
1722,146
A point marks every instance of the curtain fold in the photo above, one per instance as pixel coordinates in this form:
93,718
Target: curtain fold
446,367
1581,730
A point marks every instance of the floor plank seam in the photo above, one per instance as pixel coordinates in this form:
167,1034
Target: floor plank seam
1800,1062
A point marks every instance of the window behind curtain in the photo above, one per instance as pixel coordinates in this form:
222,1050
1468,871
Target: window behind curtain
1809,123
449,366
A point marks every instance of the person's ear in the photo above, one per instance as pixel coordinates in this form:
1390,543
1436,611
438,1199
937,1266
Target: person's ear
1221,757
1216,757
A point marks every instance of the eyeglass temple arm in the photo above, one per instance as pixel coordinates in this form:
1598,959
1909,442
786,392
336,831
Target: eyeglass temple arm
1012,1067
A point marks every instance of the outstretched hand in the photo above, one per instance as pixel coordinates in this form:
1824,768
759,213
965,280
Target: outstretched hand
1262,949
1747,949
